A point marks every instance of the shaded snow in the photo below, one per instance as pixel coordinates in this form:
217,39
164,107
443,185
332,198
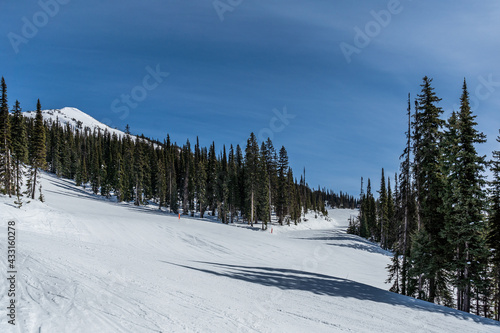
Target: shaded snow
87,264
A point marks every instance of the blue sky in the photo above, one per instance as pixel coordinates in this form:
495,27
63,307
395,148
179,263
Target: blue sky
275,68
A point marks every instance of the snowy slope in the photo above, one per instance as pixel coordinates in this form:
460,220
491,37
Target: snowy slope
75,118
87,264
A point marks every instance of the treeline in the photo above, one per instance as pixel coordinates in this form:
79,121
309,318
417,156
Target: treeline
341,200
20,158
442,220
232,184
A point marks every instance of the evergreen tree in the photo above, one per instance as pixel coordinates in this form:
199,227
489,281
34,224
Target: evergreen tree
294,202
19,149
270,158
212,176
252,164
406,199
138,172
430,185
6,179
223,187
232,183
82,174
382,212
361,219
282,196
150,172
186,176
263,206
161,185
494,230
38,155
127,180
201,187
55,149
95,165
369,210
240,184
73,149
110,165
172,181
394,273
465,202
391,232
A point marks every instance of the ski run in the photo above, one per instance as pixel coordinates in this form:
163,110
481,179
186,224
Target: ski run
90,264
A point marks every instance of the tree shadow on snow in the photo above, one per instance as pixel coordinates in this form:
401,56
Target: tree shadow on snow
72,191
365,247
320,284
353,241
69,189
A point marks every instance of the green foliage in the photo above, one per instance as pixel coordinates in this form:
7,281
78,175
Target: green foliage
465,200
38,151
19,150
441,238
252,168
6,177
283,196
382,213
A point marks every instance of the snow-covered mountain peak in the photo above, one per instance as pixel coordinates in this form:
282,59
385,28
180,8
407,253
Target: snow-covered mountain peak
75,118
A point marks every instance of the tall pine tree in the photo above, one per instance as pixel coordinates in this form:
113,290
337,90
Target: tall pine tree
430,184
494,229
252,166
19,149
283,195
38,153
6,179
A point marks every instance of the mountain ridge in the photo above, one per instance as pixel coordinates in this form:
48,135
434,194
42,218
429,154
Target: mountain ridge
76,118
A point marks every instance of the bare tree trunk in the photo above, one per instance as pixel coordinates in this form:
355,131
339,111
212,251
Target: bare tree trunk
170,191
251,209
18,179
466,278
34,184
270,209
432,289
185,196
420,286
9,174
136,202
231,209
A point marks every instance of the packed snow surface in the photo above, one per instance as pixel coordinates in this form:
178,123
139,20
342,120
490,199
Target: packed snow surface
88,264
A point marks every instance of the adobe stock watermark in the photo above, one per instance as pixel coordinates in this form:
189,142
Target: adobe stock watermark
373,28
139,93
30,28
483,91
277,124
223,6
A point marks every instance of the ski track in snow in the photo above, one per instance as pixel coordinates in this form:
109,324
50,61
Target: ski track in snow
88,264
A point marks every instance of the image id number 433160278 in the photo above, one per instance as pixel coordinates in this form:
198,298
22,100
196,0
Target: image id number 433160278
11,271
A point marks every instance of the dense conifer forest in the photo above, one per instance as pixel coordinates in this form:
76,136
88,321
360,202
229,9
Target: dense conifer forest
252,183
442,218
